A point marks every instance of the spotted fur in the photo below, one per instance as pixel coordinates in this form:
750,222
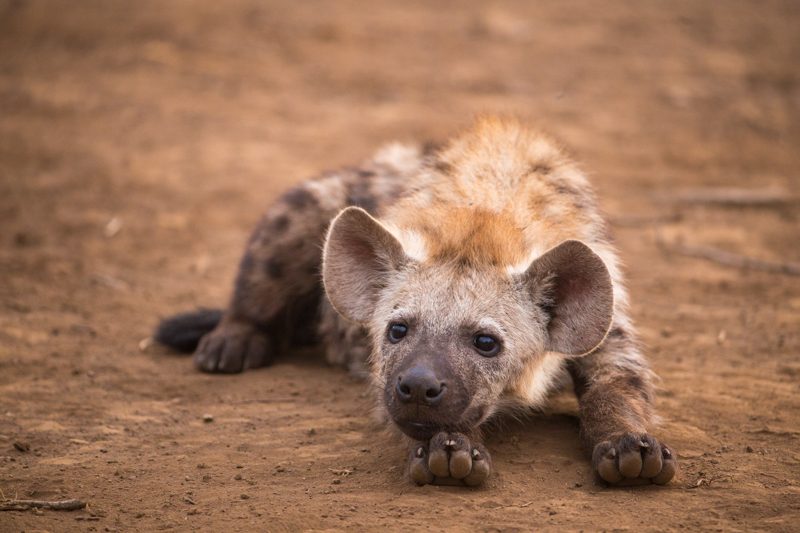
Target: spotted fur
473,235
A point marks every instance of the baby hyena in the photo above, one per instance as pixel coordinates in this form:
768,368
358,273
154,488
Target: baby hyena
464,280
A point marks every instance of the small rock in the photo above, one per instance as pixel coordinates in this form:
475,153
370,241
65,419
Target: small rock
244,497
311,432
145,343
237,477
113,227
207,418
749,449
22,446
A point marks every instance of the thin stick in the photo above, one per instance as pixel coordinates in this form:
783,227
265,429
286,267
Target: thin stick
731,196
637,221
526,504
729,259
27,505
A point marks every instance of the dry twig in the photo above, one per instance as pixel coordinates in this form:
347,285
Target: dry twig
27,505
520,505
729,259
730,196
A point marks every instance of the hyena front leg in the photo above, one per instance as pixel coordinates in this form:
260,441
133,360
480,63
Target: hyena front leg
615,393
277,289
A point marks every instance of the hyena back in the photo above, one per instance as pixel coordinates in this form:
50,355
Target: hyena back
464,281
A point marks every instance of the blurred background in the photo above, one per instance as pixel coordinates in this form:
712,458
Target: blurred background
140,141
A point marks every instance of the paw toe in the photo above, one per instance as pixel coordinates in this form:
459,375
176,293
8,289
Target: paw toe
232,356
257,352
460,464
630,464
439,463
481,468
439,458
605,460
418,469
208,353
669,467
651,459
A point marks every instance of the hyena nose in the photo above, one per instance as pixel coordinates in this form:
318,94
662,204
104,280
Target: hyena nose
420,385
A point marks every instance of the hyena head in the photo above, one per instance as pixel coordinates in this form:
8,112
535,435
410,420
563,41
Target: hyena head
451,337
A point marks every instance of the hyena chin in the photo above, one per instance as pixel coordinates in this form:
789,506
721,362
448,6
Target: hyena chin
464,280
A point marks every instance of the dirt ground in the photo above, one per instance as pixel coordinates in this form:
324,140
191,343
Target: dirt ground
139,142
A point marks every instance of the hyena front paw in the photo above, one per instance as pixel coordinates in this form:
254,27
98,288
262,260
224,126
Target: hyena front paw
633,457
232,347
449,459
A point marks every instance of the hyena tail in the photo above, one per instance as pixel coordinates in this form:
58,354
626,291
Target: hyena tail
182,332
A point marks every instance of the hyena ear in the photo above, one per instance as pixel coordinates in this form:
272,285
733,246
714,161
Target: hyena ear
359,256
577,294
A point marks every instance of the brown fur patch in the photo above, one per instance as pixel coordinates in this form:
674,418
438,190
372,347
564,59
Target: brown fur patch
471,237
359,194
274,267
280,223
299,198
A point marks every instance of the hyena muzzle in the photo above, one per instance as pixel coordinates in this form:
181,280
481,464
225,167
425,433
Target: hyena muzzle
463,280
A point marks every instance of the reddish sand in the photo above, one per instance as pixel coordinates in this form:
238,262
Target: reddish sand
182,120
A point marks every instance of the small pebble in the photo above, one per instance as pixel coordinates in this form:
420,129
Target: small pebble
244,497
22,446
207,418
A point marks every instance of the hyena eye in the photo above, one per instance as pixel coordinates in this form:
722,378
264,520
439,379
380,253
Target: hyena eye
486,345
396,332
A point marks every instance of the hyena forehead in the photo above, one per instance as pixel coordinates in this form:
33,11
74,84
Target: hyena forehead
443,299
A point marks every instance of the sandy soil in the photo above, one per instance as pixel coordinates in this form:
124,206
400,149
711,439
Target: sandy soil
139,141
